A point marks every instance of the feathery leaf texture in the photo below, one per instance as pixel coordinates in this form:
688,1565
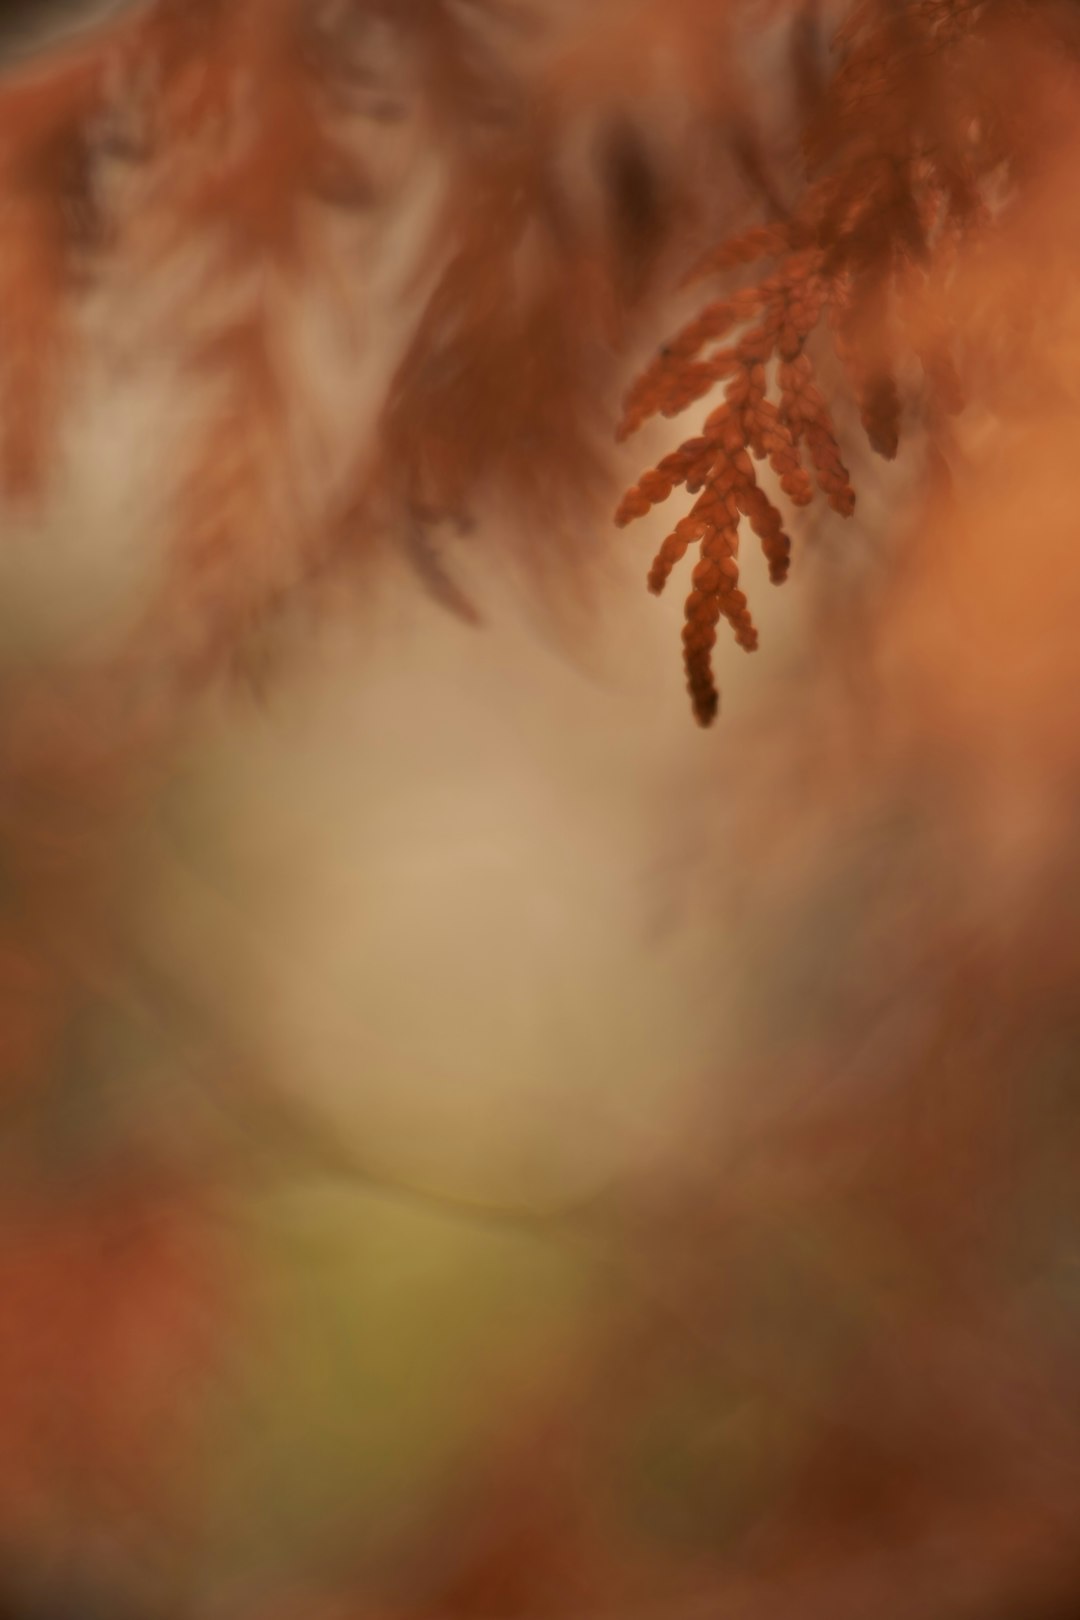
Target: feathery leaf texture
243,130
898,152
227,149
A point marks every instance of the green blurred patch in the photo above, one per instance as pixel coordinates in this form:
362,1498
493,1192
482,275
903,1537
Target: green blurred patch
388,1335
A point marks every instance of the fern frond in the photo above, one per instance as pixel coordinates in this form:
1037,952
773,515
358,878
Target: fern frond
895,165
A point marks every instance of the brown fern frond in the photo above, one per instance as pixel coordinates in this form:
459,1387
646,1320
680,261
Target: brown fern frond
750,247
48,222
541,265
719,463
895,162
174,124
238,109
675,379
227,548
500,385
748,425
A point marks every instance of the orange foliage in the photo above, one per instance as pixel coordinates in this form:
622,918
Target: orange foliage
901,155
115,1308
243,124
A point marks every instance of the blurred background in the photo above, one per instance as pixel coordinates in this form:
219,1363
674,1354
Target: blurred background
475,1145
